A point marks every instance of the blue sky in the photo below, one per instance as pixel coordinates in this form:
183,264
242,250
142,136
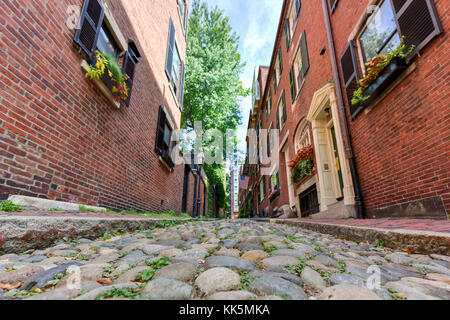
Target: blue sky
256,23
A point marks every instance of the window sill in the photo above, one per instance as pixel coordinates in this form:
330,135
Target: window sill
103,88
165,164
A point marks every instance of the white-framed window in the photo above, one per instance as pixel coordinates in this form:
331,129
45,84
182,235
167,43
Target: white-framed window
298,67
176,70
182,11
302,137
380,34
278,69
269,104
282,110
292,19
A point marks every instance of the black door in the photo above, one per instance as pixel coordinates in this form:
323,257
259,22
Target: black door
309,201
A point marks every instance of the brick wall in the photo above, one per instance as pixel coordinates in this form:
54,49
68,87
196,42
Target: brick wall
60,138
402,145
311,20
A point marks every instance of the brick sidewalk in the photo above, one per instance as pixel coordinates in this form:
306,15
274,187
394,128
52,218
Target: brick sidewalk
406,224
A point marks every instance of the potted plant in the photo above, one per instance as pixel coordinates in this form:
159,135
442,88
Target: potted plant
107,69
381,71
302,164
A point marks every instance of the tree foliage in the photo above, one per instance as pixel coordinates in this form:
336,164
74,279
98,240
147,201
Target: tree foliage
212,86
213,67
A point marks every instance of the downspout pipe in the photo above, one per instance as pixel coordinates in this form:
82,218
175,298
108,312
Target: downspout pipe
360,209
194,209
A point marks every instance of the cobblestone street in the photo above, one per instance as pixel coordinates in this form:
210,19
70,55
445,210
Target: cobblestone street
222,260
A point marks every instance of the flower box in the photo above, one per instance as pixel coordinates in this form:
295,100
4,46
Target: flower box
100,83
274,195
384,80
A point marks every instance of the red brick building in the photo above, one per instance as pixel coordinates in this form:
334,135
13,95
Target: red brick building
65,137
385,157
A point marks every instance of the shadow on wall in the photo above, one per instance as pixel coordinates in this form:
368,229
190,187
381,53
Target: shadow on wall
64,139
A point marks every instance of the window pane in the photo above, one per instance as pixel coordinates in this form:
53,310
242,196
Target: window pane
167,134
176,69
106,44
392,44
181,8
378,30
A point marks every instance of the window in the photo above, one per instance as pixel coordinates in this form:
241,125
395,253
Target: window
269,104
303,138
297,8
416,20
282,110
301,64
163,137
174,66
106,43
278,71
287,33
94,34
269,140
176,69
292,16
182,10
274,182
380,34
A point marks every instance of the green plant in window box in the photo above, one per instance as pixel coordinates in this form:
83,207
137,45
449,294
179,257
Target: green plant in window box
374,68
302,164
107,63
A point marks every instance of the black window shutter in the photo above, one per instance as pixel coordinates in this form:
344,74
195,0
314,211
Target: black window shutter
268,142
283,115
91,19
170,48
129,68
160,145
333,4
280,57
417,20
305,55
350,75
182,85
274,82
292,84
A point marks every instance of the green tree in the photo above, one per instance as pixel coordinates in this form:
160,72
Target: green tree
213,86
213,67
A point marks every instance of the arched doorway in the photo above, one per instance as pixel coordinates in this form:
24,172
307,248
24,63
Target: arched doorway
335,184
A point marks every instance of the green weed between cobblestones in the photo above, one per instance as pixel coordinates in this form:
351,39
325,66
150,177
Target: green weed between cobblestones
246,279
129,293
148,274
8,206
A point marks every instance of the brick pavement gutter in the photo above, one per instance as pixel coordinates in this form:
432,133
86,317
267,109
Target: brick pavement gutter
424,242
19,233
